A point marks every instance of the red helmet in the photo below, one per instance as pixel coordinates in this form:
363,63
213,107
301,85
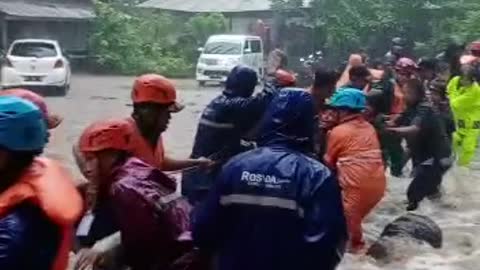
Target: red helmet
285,78
406,65
103,135
475,46
157,89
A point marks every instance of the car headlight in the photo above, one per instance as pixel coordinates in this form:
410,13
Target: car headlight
202,61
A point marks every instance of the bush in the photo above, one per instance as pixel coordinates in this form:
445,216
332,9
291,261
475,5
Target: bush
133,44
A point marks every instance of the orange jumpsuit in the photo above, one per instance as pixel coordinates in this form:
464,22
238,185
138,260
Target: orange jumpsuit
353,149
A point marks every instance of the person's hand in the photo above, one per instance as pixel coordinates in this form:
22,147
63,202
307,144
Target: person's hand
54,120
391,119
88,259
205,163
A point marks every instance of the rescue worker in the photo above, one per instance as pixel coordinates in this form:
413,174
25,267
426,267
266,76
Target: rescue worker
464,94
153,97
405,69
427,141
224,123
142,201
154,100
353,151
53,120
39,205
274,207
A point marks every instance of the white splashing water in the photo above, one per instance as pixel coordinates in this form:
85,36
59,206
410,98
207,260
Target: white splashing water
458,214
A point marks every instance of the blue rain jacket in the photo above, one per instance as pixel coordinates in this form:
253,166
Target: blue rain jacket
275,208
28,240
225,121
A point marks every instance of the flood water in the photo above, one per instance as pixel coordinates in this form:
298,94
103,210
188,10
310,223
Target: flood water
93,98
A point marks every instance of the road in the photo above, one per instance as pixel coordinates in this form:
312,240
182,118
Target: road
93,98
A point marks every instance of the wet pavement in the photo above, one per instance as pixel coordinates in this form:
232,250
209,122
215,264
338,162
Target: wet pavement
93,97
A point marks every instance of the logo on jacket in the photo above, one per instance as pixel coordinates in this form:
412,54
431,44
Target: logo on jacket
269,181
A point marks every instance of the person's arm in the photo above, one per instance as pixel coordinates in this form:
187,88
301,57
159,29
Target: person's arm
254,106
171,164
325,226
334,148
422,119
405,131
105,254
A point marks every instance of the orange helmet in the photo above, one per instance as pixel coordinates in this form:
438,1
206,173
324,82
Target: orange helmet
285,78
52,120
157,89
103,135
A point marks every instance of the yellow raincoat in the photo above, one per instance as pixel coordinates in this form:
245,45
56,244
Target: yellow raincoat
465,103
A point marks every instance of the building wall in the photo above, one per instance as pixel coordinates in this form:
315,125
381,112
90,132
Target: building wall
72,35
3,36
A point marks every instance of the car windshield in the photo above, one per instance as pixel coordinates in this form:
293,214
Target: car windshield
34,49
222,47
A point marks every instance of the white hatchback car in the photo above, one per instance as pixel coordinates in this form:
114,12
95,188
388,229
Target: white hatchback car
36,64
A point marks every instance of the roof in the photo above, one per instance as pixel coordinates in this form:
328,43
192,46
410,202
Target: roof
54,9
223,6
230,37
30,40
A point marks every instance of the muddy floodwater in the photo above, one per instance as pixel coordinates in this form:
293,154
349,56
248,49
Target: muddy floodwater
94,97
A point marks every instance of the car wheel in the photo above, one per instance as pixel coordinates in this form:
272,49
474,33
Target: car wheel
201,83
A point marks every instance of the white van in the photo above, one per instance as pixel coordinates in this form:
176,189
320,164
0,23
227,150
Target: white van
223,52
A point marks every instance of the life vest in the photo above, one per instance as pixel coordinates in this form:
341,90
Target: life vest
398,105
52,189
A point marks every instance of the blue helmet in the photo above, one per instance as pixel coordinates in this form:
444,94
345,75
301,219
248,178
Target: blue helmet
22,126
289,119
348,98
241,81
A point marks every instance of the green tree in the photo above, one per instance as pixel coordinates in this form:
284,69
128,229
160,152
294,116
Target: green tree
200,27
136,43
343,26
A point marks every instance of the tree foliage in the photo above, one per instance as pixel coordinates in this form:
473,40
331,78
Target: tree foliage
346,25
130,41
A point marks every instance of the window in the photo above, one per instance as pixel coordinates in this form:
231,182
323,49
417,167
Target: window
223,48
256,46
34,49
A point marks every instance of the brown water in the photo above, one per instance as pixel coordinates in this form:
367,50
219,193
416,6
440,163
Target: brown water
93,98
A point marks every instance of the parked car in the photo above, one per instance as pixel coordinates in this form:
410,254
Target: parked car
223,52
36,64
